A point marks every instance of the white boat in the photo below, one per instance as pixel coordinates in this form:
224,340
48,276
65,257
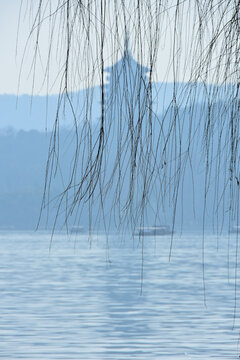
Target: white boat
78,229
235,229
154,231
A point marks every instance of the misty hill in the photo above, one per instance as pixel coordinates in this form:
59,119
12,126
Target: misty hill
27,112
22,162
23,157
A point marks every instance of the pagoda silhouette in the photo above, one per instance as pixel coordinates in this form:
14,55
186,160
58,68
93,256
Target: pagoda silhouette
124,130
126,90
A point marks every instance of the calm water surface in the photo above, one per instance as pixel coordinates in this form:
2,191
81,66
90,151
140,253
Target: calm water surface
72,303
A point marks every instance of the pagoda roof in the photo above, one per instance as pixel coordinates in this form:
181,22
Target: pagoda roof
127,60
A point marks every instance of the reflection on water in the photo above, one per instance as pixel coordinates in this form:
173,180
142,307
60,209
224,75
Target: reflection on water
73,304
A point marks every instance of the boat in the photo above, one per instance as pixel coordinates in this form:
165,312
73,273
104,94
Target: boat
155,231
235,229
78,229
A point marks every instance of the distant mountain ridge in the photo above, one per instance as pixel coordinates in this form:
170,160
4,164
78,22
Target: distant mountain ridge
23,158
26,112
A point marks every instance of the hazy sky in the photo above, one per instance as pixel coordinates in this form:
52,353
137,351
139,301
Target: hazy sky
13,63
13,44
9,68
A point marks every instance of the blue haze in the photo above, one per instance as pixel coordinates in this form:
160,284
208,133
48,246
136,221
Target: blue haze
25,131
23,157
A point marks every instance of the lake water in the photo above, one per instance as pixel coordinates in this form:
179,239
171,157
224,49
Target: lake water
82,302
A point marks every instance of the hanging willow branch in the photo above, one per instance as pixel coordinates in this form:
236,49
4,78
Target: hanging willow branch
130,162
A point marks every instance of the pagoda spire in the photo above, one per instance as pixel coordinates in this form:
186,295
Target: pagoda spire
127,58
127,51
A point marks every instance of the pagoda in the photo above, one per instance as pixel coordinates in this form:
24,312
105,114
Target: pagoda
126,88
